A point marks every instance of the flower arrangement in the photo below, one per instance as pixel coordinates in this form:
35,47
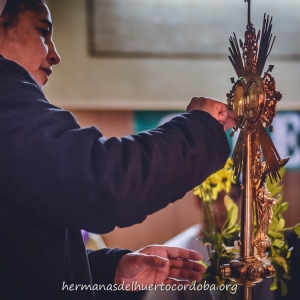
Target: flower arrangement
221,241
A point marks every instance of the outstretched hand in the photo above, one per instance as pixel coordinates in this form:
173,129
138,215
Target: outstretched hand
216,109
159,264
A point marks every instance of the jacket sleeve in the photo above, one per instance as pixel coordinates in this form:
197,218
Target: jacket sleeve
77,179
103,265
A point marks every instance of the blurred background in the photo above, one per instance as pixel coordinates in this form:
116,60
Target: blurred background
129,65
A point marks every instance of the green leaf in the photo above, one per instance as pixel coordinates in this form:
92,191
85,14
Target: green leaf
232,213
282,262
275,191
289,253
275,234
278,243
208,239
201,262
231,249
284,206
219,280
297,229
277,225
273,251
274,184
274,285
279,198
283,288
231,232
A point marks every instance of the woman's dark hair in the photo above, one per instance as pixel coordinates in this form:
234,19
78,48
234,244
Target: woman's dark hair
14,7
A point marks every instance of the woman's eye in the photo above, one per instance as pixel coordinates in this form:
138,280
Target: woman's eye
44,31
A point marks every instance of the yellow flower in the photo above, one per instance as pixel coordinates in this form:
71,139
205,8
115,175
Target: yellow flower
196,191
214,179
215,183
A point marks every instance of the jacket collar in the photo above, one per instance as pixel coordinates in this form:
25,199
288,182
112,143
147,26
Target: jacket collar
13,66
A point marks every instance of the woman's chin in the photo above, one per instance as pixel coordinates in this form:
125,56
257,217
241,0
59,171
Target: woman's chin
41,77
42,81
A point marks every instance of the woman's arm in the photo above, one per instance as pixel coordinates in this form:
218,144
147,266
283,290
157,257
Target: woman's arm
76,178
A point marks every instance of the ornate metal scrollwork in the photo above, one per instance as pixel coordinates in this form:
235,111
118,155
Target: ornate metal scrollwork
253,98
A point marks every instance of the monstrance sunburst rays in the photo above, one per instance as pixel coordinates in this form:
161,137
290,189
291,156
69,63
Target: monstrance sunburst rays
249,65
253,98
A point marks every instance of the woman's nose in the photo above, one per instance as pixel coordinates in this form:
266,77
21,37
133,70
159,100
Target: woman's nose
53,55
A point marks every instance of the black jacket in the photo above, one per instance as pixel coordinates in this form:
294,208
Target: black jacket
57,178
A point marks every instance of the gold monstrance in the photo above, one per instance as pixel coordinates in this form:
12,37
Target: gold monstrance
253,98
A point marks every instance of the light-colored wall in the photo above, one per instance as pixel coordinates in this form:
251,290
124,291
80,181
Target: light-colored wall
82,81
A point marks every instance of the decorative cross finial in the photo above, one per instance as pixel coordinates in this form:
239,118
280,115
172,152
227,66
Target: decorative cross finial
249,11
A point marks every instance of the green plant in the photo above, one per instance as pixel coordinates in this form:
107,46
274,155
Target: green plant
222,243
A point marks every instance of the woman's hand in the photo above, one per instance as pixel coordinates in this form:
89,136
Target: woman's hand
159,265
216,109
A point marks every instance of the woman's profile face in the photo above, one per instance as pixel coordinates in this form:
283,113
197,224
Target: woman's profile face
29,43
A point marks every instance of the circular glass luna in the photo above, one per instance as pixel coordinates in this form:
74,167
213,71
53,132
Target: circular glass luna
238,98
238,102
254,99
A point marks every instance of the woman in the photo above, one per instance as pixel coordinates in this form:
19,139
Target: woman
57,178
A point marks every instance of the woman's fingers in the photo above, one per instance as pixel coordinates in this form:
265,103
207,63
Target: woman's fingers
185,269
175,282
216,109
177,252
153,261
227,119
231,115
171,252
187,264
186,274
